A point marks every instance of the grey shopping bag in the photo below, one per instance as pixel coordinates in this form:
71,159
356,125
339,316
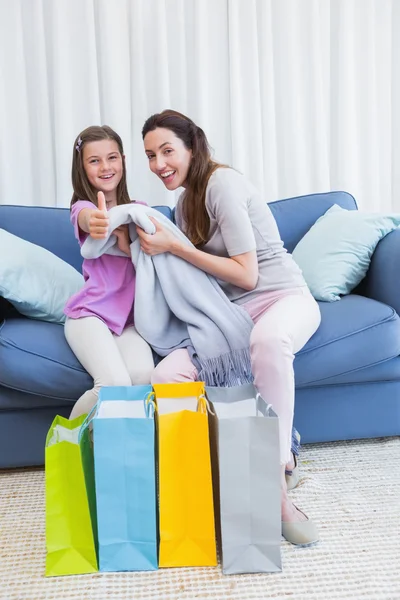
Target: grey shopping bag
246,474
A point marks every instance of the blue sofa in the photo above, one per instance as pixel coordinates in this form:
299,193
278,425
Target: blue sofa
347,376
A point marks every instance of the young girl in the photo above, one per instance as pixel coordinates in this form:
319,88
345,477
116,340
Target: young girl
236,239
99,326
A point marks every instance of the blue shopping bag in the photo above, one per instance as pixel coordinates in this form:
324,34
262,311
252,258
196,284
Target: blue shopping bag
124,461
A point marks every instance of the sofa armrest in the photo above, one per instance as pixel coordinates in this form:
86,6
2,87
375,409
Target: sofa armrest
383,278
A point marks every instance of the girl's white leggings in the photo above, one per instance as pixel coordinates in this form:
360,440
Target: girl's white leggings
110,359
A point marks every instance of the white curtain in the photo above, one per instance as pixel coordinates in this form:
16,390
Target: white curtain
302,96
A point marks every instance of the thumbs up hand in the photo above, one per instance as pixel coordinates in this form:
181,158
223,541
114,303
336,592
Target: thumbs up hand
98,222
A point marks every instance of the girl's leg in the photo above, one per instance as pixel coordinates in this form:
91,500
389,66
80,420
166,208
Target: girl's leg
94,346
175,368
278,334
137,356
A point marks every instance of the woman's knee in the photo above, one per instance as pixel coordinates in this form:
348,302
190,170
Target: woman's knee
175,368
161,374
274,344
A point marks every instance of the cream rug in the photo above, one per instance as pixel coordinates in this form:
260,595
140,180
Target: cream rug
351,489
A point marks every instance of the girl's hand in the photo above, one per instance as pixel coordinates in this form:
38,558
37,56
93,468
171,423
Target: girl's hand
98,220
161,241
123,239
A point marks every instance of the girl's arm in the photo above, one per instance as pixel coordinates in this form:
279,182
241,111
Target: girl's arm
123,239
240,270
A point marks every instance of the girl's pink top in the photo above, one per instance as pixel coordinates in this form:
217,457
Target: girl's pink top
109,289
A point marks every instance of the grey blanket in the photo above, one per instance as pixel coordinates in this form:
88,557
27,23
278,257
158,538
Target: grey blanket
179,306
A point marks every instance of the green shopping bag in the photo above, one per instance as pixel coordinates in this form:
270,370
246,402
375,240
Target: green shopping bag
71,526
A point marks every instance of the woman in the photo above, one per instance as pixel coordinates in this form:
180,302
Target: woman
236,240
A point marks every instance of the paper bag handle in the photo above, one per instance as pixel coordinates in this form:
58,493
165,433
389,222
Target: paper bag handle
87,421
258,398
203,405
150,405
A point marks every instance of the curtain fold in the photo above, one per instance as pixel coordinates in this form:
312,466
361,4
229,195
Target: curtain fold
301,97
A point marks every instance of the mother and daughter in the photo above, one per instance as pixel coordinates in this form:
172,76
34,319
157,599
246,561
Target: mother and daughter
235,239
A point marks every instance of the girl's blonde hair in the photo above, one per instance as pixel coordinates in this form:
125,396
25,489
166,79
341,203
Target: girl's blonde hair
83,189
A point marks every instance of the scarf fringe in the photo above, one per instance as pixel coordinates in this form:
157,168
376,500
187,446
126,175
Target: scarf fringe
228,370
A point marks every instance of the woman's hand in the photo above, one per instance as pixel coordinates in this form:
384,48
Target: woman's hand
98,219
161,241
123,239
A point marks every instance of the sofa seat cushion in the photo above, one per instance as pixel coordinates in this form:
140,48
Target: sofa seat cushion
355,333
35,358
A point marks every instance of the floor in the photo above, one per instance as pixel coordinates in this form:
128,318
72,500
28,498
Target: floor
351,489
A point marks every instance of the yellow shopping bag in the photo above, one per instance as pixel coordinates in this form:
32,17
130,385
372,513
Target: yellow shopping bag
71,527
187,530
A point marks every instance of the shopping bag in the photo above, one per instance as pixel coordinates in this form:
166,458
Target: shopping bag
186,510
246,474
70,500
124,458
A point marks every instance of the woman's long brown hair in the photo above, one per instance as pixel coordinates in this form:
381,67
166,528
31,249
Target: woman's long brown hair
200,170
83,189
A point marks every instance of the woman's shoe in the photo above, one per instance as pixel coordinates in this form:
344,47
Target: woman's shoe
293,476
300,533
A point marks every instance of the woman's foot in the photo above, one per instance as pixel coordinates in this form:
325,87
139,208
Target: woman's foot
297,528
292,473
292,463
290,512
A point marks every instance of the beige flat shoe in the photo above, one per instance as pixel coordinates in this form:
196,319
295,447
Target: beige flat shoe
300,533
293,476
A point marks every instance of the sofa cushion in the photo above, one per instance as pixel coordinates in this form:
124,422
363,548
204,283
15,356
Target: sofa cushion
35,358
336,252
37,282
355,333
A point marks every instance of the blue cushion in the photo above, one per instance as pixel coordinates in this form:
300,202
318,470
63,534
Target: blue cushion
355,333
349,339
39,351
16,401
387,370
37,282
336,253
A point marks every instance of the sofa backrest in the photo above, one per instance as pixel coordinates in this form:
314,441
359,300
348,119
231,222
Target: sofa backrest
51,228
48,227
295,216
